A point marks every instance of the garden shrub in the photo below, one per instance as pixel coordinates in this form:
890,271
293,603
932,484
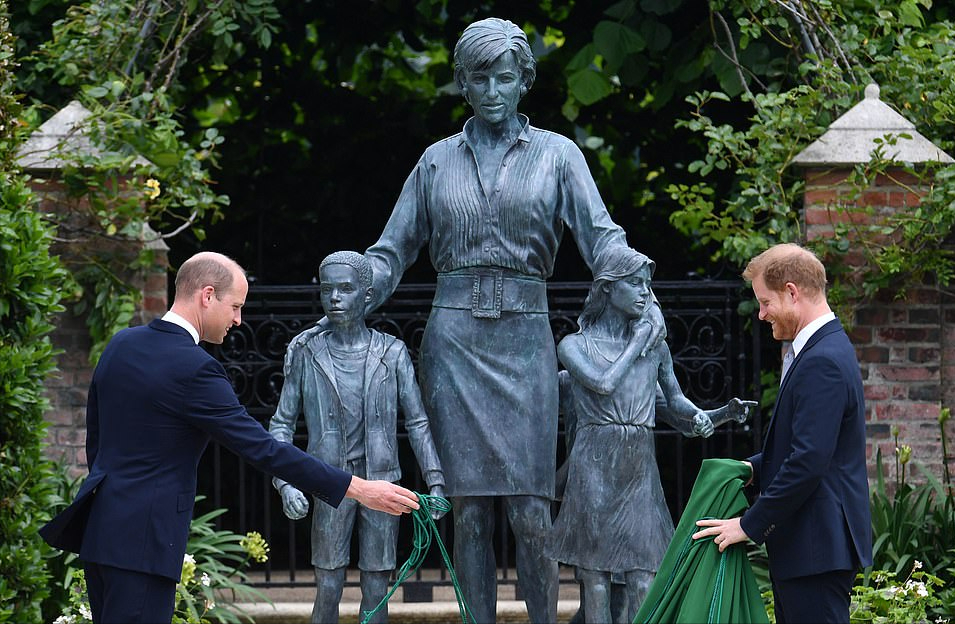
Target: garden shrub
32,284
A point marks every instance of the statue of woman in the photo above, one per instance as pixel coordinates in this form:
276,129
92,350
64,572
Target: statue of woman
614,517
491,204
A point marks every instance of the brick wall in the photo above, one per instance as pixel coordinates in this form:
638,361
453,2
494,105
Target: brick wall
906,347
67,387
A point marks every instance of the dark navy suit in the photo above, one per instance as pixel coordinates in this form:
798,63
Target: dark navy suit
813,506
155,402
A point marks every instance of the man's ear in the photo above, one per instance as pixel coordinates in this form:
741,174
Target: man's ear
793,291
206,294
368,294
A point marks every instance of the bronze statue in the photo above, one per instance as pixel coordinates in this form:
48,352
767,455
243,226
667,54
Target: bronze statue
491,205
614,523
349,381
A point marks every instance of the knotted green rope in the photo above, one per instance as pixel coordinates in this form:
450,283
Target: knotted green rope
425,530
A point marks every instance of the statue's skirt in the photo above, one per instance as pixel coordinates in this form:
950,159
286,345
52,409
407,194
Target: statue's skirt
490,388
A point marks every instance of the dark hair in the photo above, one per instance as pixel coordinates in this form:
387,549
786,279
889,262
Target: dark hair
353,259
484,41
613,265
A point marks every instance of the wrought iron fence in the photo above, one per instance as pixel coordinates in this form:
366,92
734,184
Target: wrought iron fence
716,354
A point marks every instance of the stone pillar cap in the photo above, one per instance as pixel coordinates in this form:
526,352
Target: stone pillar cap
851,138
62,134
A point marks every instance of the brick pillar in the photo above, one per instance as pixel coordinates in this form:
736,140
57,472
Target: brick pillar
907,370
67,388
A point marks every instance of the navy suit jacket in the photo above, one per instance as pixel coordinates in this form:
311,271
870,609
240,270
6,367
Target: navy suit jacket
813,506
155,402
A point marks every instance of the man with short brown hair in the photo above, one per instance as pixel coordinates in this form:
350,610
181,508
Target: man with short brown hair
813,506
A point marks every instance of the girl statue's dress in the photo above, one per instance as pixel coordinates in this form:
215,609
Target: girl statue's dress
614,515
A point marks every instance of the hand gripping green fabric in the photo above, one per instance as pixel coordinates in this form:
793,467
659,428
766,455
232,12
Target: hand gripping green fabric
696,583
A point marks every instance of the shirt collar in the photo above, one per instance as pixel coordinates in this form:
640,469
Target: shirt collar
175,319
525,134
806,332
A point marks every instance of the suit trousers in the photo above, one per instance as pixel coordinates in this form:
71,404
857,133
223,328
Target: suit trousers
814,599
119,596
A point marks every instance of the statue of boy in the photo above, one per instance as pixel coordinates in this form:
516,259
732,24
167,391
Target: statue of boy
349,381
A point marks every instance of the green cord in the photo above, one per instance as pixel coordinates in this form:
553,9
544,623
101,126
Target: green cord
716,601
425,530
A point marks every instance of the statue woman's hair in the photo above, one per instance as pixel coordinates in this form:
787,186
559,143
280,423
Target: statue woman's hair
484,41
613,265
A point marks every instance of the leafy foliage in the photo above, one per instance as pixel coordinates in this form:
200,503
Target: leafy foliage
822,55
886,600
913,528
213,567
143,180
344,89
31,286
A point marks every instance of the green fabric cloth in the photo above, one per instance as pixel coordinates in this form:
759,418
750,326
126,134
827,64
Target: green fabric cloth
696,583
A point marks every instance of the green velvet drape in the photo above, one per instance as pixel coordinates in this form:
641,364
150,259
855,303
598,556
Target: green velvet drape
695,582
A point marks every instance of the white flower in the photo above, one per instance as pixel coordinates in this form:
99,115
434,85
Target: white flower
920,590
205,580
210,605
187,558
85,612
917,565
65,619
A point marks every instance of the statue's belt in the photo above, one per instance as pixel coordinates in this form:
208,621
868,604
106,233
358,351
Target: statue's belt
488,292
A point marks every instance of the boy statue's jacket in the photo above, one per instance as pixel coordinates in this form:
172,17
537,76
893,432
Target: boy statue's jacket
389,384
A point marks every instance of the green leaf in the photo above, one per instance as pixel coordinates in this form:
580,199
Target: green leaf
588,86
657,35
661,7
909,14
583,59
622,11
615,41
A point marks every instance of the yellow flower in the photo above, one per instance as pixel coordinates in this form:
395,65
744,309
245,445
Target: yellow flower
256,546
188,569
905,453
152,188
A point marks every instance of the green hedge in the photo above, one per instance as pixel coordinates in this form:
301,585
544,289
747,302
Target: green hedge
31,286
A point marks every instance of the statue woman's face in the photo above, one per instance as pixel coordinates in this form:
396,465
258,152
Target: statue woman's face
495,91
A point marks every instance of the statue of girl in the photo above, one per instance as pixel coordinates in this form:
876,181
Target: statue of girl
614,518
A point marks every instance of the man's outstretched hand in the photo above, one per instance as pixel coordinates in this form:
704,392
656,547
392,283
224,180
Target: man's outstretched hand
382,496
